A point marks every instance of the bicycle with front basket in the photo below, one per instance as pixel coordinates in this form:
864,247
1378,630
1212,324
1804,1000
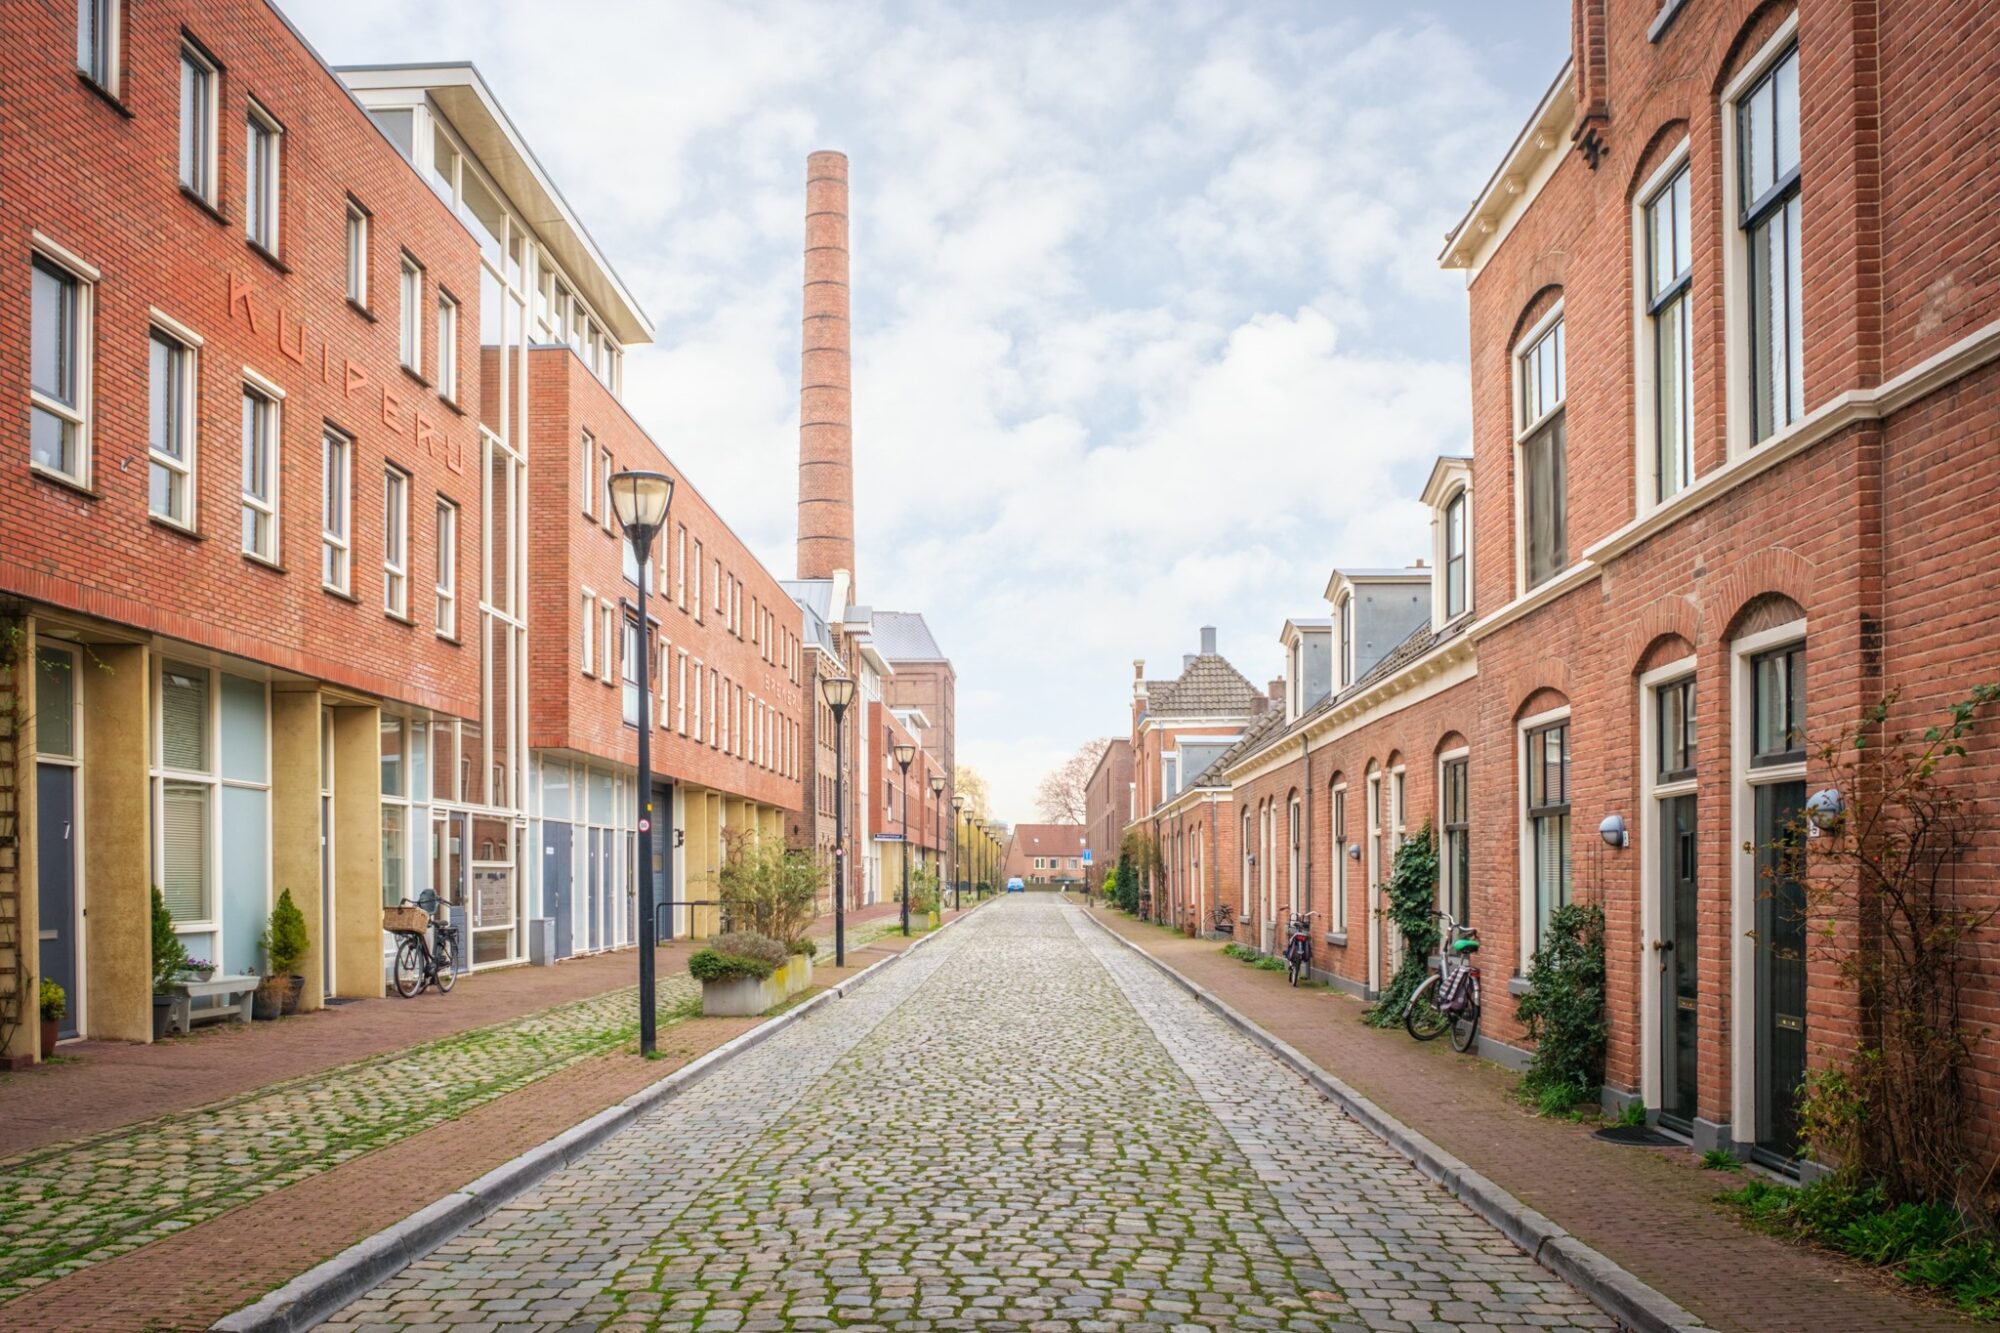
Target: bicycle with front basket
1448,999
420,963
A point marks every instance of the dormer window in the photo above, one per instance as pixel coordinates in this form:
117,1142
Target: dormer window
1456,591
1344,611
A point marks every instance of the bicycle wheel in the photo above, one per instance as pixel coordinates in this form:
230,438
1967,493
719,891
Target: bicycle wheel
1292,969
409,966
446,961
1465,1028
1421,1017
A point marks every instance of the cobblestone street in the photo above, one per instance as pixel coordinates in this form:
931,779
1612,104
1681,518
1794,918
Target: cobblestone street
1019,1126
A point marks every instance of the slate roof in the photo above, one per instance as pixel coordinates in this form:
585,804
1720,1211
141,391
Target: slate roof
904,636
1209,687
814,596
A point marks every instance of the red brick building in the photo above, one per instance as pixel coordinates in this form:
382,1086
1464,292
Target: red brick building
1108,806
1044,854
1733,330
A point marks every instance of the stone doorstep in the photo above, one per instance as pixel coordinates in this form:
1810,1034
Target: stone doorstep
1609,1286
313,1295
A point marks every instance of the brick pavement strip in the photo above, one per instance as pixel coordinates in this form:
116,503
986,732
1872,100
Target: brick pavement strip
1650,1210
1011,1129
69,1206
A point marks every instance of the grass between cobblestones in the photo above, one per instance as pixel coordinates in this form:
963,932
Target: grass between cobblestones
71,1205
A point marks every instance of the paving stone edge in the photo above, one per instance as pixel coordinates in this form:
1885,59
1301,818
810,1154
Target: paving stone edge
1609,1286
316,1293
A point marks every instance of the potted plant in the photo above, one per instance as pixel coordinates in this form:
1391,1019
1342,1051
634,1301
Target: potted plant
200,969
735,971
55,1003
169,961
285,943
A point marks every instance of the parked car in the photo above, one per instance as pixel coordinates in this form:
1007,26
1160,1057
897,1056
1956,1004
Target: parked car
1015,885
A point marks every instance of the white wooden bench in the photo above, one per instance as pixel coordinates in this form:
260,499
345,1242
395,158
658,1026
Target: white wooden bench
227,989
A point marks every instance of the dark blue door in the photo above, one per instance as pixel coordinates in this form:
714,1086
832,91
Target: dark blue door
559,841
663,862
55,831
594,858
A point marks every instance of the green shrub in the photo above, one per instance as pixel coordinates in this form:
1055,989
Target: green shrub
54,1001
1564,1007
1720,1159
1893,1236
749,944
768,888
806,945
1632,1116
285,941
735,955
169,954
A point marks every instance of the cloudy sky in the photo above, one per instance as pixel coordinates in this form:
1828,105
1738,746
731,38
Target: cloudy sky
1149,330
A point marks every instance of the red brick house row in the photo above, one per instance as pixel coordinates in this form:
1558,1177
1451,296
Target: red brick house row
1735,304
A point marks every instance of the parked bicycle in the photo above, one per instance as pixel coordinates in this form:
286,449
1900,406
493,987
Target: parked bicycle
1449,998
426,945
1299,947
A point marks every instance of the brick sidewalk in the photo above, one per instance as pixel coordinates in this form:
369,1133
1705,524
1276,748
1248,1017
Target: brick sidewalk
192,1277
1650,1210
102,1085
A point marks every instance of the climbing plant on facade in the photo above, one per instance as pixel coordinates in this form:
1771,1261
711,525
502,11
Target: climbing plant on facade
1413,879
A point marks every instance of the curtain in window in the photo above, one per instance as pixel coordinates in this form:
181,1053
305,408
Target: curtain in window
184,849
184,718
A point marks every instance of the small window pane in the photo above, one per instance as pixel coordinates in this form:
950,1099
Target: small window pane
55,703
184,718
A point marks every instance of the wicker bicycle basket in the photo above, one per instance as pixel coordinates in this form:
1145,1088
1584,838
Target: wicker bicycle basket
406,920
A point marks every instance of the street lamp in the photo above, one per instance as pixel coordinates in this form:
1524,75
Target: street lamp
838,691
957,849
640,499
904,754
937,832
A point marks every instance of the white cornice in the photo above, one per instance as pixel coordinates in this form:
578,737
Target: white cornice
1533,157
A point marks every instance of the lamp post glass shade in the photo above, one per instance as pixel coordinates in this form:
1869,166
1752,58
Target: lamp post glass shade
838,691
640,500
958,803
904,754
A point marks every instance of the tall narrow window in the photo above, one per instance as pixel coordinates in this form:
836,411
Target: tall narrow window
587,450
59,377
1778,724
1455,586
447,569
605,469
697,580
170,421
97,41
1676,731
447,367
1455,860
1768,186
197,124
1544,468
1338,802
261,139
587,617
606,641
628,672
395,541
336,492
260,486
410,318
1669,277
1345,611
1548,821
357,254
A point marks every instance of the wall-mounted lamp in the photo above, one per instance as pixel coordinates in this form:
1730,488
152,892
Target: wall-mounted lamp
1354,851
1612,830
1823,811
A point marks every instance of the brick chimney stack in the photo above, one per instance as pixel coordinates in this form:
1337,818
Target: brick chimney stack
826,401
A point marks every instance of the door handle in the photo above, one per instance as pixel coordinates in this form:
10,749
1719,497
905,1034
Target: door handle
1664,946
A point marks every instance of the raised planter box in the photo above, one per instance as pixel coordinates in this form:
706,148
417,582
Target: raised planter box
744,997
797,973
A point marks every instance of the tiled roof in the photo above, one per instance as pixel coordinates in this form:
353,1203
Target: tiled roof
1264,730
1049,839
902,636
1209,687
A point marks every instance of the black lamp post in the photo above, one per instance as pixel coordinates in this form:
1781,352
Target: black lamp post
839,693
957,850
904,754
937,832
640,499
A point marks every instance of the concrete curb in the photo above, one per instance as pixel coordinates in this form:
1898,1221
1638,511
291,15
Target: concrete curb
1610,1287
319,1291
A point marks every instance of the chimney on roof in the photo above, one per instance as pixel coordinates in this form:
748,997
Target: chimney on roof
1276,689
1208,640
826,406
1187,660
1138,668
1419,564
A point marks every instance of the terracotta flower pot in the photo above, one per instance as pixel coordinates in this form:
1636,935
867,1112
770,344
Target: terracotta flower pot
49,1026
294,989
269,1001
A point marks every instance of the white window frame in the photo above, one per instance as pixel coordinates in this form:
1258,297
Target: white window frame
607,466
396,484
1372,823
200,130
631,690
336,528
1645,338
681,691
697,701
608,642
1736,251
209,779
82,353
357,253
447,356
1336,822
264,156
589,619
410,314
666,655
1527,922
447,569
1295,849
187,344
1460,497
1745,888
1343,647
1445,759
1652,899
589,447
1526,430
271,398
108,50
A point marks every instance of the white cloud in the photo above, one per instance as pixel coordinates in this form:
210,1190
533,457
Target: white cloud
1149,332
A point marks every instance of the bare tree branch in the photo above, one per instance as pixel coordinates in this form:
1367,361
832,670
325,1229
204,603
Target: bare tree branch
1059,799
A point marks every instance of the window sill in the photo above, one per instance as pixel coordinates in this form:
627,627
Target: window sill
1519,986
363,311
206,205
176,527
342,593
399,617
450,638
1664,19
451,405
64,480
264,561
416,375
110,98
1338,941
269,257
